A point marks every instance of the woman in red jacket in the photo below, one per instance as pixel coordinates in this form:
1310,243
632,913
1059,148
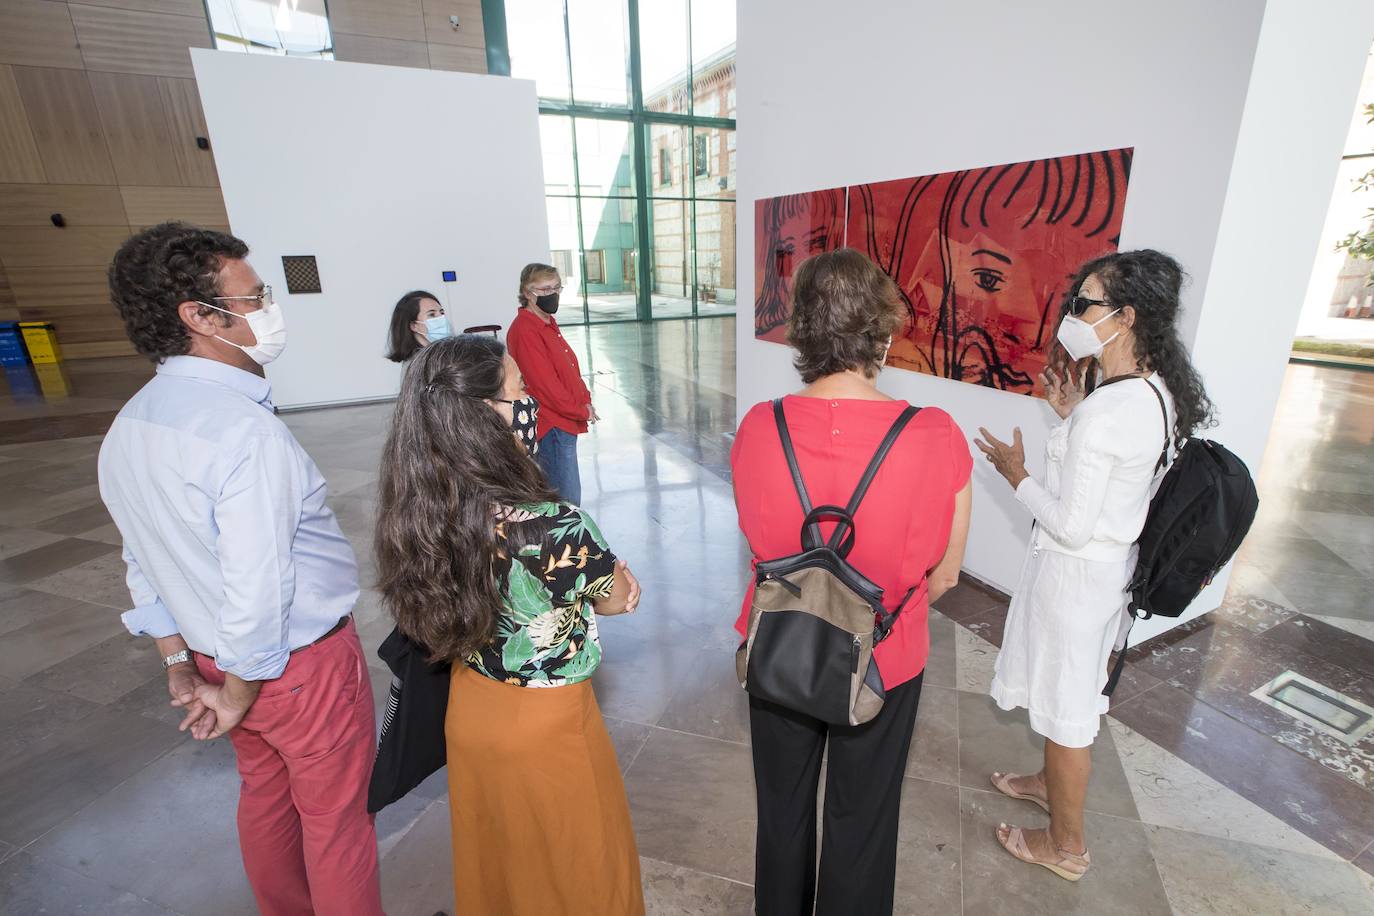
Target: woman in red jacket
552,376
909,539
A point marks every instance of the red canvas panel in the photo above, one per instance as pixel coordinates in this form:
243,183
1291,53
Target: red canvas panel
983,258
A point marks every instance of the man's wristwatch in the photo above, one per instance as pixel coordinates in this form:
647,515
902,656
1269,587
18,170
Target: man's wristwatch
177,658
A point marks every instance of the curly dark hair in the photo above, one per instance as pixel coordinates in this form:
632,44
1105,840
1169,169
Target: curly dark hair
1149,281
155,271
844,310
450,465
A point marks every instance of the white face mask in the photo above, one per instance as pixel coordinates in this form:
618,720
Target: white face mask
268,325
1080,338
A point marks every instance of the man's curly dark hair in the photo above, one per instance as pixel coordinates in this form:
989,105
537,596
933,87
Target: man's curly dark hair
155,271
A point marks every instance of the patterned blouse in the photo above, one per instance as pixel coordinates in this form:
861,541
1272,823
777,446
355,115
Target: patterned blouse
546,635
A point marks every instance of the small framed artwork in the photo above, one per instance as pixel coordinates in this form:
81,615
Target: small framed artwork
302,273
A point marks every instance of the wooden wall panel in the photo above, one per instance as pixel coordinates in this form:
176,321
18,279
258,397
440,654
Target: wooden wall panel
453,57
79,204
137,129
198,206
394,52
195,8
9,311
124,41
438,29
19,160
38,33
75,246
65,124
378,18
105,348
40,288
181,102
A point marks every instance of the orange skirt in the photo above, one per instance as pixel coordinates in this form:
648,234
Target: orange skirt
540,820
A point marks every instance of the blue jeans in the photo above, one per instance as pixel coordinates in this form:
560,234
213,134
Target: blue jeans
558,457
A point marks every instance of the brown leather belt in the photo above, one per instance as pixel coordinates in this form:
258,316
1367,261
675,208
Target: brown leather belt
343,622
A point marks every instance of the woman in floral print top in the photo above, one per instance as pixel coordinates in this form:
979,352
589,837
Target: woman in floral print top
480,562
546,635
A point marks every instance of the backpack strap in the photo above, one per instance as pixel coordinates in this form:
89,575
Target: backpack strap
1120,662
811,530
1164,411
844,526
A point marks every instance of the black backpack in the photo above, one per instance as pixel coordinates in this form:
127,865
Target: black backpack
815,618
1202,511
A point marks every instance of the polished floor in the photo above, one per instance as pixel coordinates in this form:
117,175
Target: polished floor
1204,799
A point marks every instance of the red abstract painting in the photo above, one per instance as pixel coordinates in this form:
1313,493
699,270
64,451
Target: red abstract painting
982,257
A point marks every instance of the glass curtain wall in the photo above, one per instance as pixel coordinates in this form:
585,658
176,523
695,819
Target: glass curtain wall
637,119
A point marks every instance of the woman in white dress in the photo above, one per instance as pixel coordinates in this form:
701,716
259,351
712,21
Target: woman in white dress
1102,465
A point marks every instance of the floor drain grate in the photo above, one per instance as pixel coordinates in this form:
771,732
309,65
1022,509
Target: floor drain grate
1324,709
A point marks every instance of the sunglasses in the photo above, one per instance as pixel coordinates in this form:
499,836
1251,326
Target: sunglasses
1080,304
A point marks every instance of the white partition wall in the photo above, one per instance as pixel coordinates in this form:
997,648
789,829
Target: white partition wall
1212,96
388,176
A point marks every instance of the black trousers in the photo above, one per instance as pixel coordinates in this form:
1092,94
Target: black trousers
863,791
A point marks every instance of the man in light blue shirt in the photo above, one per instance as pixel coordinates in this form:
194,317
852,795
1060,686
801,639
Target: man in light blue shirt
239,571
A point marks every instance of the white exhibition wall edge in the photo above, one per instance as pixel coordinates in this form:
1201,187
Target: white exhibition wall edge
389,176
926,87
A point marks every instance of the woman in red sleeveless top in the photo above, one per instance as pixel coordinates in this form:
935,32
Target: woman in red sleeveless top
910,528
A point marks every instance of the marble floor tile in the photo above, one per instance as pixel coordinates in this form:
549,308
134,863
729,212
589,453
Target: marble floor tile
29,886
1171,793
1205,874
21,606
692,800
1337,595
25,507
967,599
106,671
417,874
56,557
196,789
53,778
710,702
989,624
671,890
1311,799
1250,581
1122,879
974,660
941,664
1256,614
1364,628
29,714
994,740
1333,644
638,679
22,540
98,581
77,521
628,738
929,850
55,636
934,753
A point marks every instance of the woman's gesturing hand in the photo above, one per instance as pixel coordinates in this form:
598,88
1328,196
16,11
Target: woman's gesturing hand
1062,393
1010,460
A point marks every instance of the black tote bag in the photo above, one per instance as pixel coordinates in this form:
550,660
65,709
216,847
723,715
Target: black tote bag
411,745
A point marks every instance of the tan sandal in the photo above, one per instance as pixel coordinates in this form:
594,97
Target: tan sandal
1068,866
1002,783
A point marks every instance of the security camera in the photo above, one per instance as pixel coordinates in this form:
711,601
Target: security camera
453,20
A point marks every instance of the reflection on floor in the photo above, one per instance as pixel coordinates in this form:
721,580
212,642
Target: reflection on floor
1197,805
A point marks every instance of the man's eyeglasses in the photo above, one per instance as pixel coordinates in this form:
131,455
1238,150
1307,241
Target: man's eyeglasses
546,290
1080,304
263,299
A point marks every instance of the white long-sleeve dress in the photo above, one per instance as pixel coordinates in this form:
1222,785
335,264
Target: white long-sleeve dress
1069,609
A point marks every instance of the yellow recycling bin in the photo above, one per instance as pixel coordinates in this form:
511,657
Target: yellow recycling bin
41,339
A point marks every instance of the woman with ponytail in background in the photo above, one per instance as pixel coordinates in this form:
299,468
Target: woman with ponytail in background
1103,463
480,561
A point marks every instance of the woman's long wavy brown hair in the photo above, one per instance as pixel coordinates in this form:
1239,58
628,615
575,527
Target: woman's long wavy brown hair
450,465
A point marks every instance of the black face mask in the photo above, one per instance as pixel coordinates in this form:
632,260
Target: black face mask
549,303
